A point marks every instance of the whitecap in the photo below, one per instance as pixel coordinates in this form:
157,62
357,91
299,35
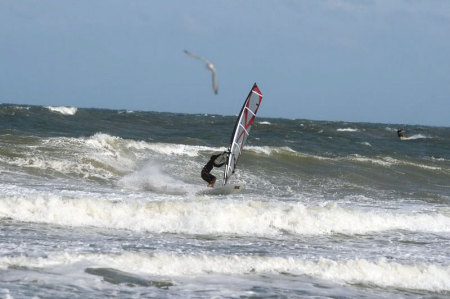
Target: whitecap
380,272
417,136
209,216
63,110
347,130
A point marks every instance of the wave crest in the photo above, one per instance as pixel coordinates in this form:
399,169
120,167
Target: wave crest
63,110
430,277
200,216
347,130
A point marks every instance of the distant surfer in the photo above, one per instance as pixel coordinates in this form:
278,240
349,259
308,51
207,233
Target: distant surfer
401,133
215,161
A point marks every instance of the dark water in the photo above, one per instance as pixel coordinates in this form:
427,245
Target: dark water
109,203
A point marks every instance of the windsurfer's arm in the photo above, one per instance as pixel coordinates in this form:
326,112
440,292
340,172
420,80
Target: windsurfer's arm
224,156
219,165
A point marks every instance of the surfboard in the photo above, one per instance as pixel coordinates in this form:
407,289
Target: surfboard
222,190
241,130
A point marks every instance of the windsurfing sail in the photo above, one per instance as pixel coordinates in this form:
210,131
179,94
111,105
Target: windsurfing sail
242,130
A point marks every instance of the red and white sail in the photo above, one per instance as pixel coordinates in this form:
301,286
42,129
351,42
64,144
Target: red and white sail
242,130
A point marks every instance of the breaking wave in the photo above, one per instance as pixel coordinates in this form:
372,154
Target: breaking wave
414,137
209,216
382,273
105,157
63,110
347,130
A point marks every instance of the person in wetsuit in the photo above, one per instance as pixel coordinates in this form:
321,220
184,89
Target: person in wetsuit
214,161
401,133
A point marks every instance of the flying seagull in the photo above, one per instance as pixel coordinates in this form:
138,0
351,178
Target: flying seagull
209,66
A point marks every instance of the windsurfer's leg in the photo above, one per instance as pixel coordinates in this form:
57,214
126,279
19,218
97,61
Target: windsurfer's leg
209,178
213,182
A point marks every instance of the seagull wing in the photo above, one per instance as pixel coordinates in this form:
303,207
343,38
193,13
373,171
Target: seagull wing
209,66
195,56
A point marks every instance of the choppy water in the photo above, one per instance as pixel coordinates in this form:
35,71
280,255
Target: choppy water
105,203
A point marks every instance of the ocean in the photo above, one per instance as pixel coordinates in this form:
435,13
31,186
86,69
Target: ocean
110,203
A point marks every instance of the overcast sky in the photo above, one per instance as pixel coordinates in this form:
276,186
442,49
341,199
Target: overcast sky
382,61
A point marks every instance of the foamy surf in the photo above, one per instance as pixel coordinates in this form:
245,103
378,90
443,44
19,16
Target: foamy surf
389,162
270,150
209,216
414,137
347,130
63,110
153,178
381,273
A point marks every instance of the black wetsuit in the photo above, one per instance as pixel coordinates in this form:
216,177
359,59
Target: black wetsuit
400,133
206,175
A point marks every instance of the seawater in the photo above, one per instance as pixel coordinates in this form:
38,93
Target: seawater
106,203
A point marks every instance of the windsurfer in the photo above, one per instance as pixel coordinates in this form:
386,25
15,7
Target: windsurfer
401,133
215,161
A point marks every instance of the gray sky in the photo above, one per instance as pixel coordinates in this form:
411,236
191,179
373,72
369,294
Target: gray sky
352,60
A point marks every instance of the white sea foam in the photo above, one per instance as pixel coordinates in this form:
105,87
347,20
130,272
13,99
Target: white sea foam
269,150
84,169
347,130
21,107
103,141
414,137
264,123
181,149
63,110
389,161
152,178
438,159
390,129
430,277
99,156
378,161
107,157
207,216
381,161
4,293
398,162
112,144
